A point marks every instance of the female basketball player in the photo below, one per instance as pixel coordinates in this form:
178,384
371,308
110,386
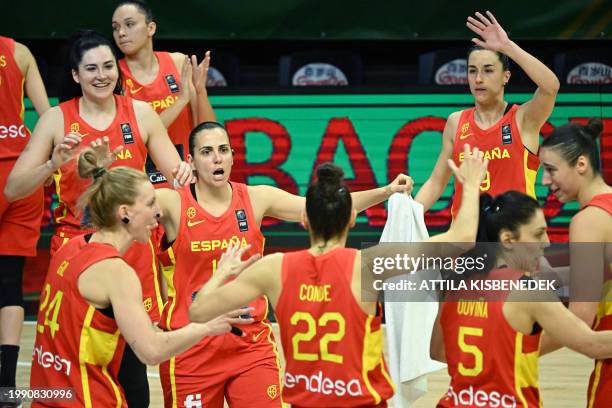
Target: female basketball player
572,170
134,131
201,221
491,339
331,340
507,134
19,220
91,304
171,83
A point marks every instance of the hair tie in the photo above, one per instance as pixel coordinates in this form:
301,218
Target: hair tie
99,172
490,209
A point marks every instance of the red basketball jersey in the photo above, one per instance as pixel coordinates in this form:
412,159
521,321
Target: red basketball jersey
511,165
13,134
333,349
600,384
122,131
490,363
161,94
201,240
76,345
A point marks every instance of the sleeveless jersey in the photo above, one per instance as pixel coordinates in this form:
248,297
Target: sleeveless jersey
201,240
76,345
13,134
490,363
122,131
161,94
333,349
600,384
511,165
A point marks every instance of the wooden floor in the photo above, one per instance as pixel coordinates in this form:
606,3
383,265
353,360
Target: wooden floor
563,377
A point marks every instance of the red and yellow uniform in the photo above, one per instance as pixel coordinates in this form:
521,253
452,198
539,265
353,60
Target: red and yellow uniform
245,369
490,363
69,186
600,384
77,346
511,165
333,349
161,94
19,220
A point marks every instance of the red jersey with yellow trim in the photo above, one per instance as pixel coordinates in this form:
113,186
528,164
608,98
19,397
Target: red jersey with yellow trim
600,384
201,240
333,349
122,131
511,165
490,363
76,345
161,94
13,134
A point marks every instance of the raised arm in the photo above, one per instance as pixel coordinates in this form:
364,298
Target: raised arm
159,146
34,86
433,188
470,174
532,114
169,115
269,201
203,111
122,288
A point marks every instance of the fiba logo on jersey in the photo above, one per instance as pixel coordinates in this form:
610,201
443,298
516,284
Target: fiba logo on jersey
126,130
241,217
193,401
172,85
506,132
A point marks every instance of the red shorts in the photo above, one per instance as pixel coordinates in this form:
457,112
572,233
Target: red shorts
141,257
20,220
244,370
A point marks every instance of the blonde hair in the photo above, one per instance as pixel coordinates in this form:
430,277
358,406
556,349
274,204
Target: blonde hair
109,189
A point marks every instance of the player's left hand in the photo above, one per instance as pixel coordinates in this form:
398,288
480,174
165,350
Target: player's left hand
492,35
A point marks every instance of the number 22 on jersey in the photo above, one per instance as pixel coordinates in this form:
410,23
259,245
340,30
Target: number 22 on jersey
311,332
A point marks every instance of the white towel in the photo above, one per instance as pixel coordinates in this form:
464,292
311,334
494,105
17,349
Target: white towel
408,324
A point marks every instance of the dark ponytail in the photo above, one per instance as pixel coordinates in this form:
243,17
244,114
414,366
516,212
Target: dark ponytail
328,202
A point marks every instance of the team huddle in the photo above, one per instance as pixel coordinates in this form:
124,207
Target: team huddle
157,256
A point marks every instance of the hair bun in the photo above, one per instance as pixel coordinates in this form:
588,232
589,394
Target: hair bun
594,128
329,173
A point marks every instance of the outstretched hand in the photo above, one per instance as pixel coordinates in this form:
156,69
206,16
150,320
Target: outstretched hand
65,151
492,35
200,71
231,263
102,150
473,168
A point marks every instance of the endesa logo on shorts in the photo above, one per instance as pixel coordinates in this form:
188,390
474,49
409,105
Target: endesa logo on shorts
319,384
13,131
471,397
47,359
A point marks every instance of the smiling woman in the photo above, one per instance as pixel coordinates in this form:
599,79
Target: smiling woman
133,131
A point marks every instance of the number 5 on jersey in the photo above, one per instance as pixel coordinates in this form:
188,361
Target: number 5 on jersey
311,332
